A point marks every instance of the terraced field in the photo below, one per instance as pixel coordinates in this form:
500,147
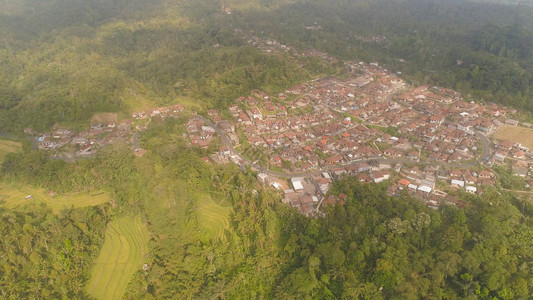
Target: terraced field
7,146
126,244
213,217
14,195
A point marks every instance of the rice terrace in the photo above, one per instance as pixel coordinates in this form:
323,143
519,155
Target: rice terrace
15,195
126,244
214,217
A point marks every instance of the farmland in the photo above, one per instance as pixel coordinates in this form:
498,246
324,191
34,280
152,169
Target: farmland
7,146
126,244
13,195
213,217
515,134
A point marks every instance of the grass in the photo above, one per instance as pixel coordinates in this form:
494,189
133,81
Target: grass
8,146
515,134
213,217
15,195
126,244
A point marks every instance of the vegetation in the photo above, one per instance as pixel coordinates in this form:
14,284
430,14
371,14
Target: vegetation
214,231
123,253
8,146
47,254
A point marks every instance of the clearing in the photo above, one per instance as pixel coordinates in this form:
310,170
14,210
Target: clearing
515,134
8,146
123,252
213,217
16,195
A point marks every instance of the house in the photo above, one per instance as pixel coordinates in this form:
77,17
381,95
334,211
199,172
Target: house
224,151
485,174
362,167
404,182
297,183
511,122
363,177
86,149
337,172
254,113
424,189
378,177
323,184
469,179
334,159
457,183
504,144
500,156
262,178
519,154
471,189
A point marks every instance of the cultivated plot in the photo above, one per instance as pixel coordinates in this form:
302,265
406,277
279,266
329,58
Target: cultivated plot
213,217
515,134
123,252
14,195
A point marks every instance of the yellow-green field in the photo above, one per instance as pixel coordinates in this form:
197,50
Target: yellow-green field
14,195
190,103
213,217
7,146
515,134
125,246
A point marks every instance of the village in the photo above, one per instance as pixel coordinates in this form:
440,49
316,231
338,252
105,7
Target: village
70,145
426,141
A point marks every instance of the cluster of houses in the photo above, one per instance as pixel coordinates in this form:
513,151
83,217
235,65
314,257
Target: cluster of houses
521,157
348,120
83,143
200,133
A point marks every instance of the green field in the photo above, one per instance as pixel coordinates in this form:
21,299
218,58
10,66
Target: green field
14,195
7,146
125,246
213,217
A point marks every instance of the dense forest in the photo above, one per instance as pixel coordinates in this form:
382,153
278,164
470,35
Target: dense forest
63,61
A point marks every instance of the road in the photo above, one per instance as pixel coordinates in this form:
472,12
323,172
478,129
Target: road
226,141
486,147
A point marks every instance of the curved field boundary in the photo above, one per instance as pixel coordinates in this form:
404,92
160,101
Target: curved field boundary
126,244
15,195
213,217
